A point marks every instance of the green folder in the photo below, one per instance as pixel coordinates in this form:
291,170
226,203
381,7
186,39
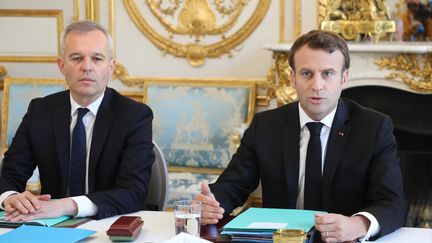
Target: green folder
271,219
39,222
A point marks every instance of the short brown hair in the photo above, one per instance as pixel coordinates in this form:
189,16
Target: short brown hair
321,39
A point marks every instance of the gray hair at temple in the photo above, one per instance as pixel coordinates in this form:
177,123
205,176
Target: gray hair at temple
324,40
85,26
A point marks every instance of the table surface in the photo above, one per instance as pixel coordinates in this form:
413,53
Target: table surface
159,227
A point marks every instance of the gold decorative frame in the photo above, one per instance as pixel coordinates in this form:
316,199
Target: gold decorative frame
3,72
121,73
298,18
282,19
196,53
92,10
76,7
6,92
58,14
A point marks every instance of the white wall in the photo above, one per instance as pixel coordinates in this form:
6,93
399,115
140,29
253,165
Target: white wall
142,58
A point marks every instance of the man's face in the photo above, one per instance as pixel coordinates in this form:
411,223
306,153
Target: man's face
318,80
86,65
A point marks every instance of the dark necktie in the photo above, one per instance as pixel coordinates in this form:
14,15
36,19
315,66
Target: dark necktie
78,156
312,189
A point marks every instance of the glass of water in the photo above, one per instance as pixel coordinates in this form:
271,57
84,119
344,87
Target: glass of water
187,215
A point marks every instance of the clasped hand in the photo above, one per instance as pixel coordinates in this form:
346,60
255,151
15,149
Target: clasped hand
26,206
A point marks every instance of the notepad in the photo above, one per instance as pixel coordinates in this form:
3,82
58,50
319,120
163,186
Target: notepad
37,222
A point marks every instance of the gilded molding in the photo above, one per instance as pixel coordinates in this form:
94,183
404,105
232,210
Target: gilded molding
196,52
76,6
58,14
414,70
120,73
298,18
278,81
111,16
3,72
92,10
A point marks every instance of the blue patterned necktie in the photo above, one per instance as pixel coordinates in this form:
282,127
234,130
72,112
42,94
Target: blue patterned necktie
312,189
78,156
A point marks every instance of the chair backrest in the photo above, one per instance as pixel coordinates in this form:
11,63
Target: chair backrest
158,185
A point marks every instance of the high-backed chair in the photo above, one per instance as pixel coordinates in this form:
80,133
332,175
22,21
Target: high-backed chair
159,183
193,124
17,94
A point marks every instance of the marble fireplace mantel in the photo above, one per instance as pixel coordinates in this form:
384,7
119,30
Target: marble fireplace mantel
400,65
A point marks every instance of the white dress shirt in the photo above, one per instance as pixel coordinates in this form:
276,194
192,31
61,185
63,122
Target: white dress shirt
327,122
85,206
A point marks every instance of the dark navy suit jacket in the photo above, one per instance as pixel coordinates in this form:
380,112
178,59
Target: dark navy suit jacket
361,170
120,160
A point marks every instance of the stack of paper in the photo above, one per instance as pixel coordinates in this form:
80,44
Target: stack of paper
258,224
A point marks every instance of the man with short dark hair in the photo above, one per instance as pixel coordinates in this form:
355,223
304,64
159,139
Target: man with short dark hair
357,177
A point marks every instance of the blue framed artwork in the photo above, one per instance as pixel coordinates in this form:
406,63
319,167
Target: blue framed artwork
17,95
194,119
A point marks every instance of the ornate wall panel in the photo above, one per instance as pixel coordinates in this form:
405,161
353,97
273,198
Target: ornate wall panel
42,27
197,29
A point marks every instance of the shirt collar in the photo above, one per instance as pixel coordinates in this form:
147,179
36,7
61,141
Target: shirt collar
327,120
93,107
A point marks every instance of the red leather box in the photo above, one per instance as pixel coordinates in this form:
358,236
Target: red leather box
126,226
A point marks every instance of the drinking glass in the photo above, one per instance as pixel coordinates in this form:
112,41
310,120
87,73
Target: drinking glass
187,215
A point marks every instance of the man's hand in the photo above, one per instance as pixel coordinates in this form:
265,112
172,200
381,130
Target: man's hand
47,209
339,228
23,203
211,211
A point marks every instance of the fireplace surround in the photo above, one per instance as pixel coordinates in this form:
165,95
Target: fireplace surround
412,118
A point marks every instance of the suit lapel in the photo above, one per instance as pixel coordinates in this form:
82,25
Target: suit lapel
339,134
62,139
102,125
291,147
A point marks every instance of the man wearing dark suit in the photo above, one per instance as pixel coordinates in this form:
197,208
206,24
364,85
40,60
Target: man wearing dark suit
360,184
118,150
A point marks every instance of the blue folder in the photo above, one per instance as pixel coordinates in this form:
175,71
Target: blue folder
271,219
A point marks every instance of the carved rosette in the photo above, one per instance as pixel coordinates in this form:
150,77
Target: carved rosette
191,26
414,70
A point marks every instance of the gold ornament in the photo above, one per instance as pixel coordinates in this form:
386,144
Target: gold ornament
198,19
414,70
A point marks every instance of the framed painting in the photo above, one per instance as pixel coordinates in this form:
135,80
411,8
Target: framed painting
194,119
18,92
